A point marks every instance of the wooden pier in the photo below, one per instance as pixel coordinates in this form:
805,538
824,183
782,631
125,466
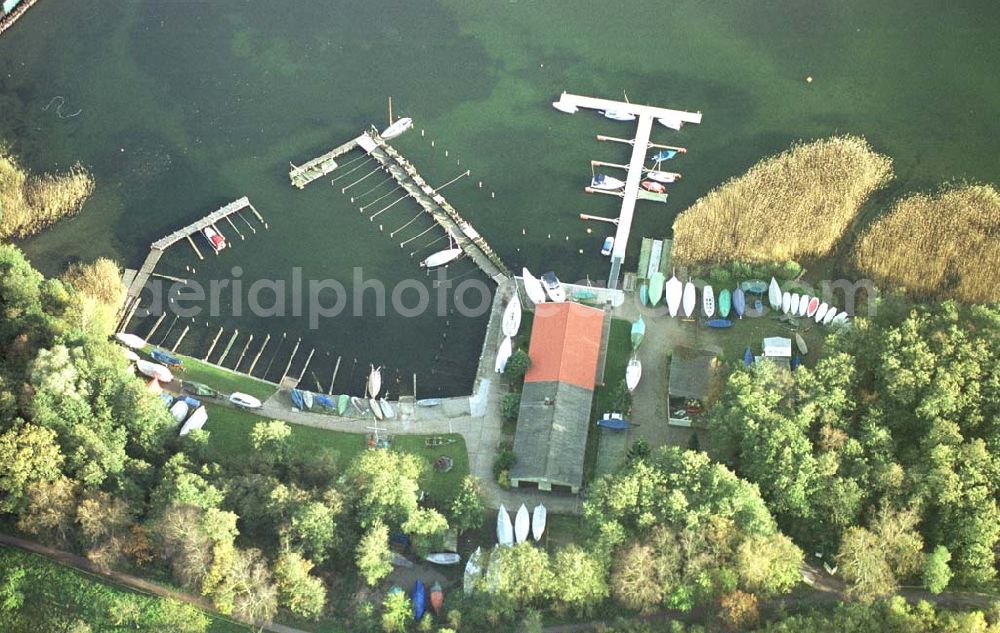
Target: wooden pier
430,200
302,175
8,20
135,280
646,115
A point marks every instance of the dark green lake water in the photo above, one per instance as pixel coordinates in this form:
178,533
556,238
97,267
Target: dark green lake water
187,105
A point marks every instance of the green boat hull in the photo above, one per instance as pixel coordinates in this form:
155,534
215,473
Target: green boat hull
343,401
638,332
725,303
655,288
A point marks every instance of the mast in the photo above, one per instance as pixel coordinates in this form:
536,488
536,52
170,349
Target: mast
390,109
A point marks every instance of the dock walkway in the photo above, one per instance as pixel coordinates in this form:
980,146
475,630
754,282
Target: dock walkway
467,238
302,175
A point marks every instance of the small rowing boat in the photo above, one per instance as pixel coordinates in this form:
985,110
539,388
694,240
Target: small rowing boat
786,302
724,303
801,344
245,400
375,409
505,529
374,381
437,598
522,524
719,323
638,332
690,298
652,185
739,302
443,558
473,571
538,522
343,401
665,177
428,402
195,421
154,370
812,306
608,246
503,355
167,359
617,115
606,183
673,290
131,340
615,424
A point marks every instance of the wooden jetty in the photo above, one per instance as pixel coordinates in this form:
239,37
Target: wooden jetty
646,115
644,253
654,258
302,175
7,20
429,198
135,281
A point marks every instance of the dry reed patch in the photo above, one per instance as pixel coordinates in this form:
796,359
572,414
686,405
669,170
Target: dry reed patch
938,246
29,204
795,205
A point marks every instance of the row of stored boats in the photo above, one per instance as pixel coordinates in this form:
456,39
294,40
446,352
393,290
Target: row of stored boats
508,533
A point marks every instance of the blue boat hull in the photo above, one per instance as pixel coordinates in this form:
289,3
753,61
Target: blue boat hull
297,399
644,294
419,598
719,323
739,302
747,357
616,424
165,358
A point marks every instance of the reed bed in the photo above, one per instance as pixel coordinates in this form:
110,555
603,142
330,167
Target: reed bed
795,205
942,245
29,204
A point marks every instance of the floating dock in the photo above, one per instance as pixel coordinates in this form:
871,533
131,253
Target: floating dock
11,10
646,115
405,174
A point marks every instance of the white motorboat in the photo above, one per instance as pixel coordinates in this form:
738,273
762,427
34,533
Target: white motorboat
214,238
505,529
179,410
522,524
617,115
666,177
195,421
154,370
568,108
245,400
708,301
441,258
553,288
374,381
633,373
532,287
443,558
131,340
690,298
674,291
606,182
397,128
511,317
503,355
473,571
538,522
774,294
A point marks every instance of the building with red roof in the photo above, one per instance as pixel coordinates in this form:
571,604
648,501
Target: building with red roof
554,417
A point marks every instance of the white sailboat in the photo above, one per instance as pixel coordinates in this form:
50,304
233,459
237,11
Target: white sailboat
674,290
505,529
441,258
511,317
131,340
568,108
522,524
665,177
793,304
154,370
821,312
195,421
774,294
831,314
786,302
532,287
633,372
245,400
538,522
503,355
179,410
606,182
803,305
374,381
708,301
473,571
690,298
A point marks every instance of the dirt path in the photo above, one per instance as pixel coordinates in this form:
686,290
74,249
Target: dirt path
133,582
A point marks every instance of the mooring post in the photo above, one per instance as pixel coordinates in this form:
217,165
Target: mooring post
212,346
259,352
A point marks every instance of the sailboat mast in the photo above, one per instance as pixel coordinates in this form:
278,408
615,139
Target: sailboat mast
390,109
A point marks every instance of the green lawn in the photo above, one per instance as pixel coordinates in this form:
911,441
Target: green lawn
619,353
229,439
222,379
55,595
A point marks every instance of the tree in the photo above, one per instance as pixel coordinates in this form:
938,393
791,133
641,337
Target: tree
526,575
49,514
302,594
517,366
241,585
386,486
769,565
29,454
510,406
175,616
864,566
271,440
738,611
466,512
374,558
621,398
426,527
313,530
396,612
11,594
634,582
102,516
179,484
582,580
937,574
639,449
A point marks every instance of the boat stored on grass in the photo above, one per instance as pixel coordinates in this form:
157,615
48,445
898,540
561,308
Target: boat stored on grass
786,302
419,598
538,517
437,440
553,287
690,298
154,370
200,390
130,340
812,307
708,301
503,355
774,294
801,344
511,322
803,305
655,288
522,524
638,332
821,312
179,410
674,290
443,558
473,571
719,323
437,598
505,529
725,304
195,421
245,400
793,304
167,359
739,302
533,287
831,314
633,373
